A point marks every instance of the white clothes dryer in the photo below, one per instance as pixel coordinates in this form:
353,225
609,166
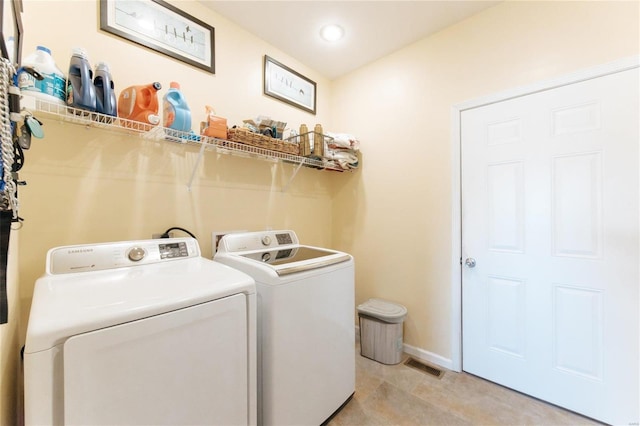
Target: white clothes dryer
140,332
306,331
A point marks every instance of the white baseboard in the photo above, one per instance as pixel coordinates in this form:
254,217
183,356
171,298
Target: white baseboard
420,354
427,356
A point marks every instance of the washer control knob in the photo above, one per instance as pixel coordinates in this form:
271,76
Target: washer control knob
266,240
136,254
266,257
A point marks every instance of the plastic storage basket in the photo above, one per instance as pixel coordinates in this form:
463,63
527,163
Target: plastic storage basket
381,330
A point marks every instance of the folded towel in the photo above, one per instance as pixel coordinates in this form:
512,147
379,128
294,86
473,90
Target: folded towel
343,140
346,159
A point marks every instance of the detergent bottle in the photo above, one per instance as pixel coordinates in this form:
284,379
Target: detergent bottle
52,87
81,93
105,90
139,103
176,112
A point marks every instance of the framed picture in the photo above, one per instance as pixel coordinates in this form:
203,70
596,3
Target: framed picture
162,27
287,85
11,30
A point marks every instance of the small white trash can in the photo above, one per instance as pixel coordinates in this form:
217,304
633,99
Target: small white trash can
381,330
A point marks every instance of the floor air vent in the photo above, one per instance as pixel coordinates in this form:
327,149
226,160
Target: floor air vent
424,368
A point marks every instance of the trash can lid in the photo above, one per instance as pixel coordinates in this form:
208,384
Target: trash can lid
383,310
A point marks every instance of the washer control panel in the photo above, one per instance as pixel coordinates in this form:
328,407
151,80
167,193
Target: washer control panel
97,257
245,241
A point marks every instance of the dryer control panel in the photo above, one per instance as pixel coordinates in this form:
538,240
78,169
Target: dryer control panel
97,257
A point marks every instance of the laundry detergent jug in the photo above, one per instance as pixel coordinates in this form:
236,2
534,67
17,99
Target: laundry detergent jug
52,86
139,103
176,112
105,91
81,93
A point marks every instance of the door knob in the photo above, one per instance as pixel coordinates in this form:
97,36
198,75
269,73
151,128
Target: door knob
470,262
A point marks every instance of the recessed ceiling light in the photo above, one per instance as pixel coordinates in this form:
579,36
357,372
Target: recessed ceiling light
331,32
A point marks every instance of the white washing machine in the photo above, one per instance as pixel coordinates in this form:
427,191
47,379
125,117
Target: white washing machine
306,359
140,332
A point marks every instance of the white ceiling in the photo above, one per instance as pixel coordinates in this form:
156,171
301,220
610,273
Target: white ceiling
373,29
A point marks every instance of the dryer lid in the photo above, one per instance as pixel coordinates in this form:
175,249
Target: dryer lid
68,304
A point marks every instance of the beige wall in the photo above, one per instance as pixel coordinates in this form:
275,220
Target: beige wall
395,215
89,185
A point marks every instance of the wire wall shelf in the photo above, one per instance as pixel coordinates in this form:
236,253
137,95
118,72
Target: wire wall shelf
157,133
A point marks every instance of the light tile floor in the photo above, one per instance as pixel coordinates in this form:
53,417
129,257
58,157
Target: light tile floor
401,395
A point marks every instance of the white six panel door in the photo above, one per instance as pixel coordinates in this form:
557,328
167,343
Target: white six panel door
550,213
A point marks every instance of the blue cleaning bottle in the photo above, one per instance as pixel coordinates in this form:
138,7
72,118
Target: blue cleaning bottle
176,112
81,93
105,91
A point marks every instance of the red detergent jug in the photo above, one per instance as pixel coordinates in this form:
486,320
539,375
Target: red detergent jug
139,103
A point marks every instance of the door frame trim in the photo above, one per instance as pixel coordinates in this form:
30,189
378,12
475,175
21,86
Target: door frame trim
456,170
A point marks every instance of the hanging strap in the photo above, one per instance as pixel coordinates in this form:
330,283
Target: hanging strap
5,230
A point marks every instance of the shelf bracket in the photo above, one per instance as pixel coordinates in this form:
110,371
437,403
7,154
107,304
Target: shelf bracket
195,166
284,189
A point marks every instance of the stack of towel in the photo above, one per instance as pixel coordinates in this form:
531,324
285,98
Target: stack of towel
342,150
